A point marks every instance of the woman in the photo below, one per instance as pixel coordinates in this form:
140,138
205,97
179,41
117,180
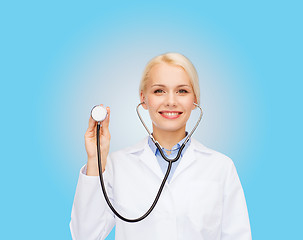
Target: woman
203,198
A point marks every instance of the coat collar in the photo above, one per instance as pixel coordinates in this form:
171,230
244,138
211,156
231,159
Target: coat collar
197,146
146,155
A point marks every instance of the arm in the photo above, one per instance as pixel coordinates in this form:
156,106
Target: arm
91,218
235,223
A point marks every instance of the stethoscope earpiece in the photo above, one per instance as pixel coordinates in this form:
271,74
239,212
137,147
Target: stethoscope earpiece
98,113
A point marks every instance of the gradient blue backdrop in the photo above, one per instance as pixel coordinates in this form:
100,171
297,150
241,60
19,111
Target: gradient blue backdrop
59,58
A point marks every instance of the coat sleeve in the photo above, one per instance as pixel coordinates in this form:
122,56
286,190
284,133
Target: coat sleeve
91,218
235,222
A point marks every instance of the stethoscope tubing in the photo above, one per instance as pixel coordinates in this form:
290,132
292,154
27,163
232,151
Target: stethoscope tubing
170,161
104,190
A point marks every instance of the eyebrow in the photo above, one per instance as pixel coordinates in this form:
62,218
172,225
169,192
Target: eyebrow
162,85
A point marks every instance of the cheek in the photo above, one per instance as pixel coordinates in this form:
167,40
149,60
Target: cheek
189,105
153,103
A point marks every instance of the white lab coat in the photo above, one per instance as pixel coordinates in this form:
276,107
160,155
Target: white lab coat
203,201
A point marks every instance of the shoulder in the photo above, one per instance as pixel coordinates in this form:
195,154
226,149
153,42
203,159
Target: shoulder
132,150
207,153
211,160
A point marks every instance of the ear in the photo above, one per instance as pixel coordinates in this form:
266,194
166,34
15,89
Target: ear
195,101
143,100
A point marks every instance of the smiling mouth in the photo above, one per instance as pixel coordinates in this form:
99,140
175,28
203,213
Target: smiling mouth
170,114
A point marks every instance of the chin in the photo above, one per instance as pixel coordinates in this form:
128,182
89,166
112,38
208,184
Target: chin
170,128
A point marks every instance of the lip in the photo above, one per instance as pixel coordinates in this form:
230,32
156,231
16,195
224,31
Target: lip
170,114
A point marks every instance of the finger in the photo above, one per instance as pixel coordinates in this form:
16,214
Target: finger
105,123
91,124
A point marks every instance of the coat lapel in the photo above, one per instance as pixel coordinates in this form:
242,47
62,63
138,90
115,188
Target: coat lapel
145,154
185,162
190,156
150,160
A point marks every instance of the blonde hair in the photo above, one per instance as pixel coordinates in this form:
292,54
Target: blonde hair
175,59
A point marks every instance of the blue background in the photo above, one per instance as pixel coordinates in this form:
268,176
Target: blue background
60,58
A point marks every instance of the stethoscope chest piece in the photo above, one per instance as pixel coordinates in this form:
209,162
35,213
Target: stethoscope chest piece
98,113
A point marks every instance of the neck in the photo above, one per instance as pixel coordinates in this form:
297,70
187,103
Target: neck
168,139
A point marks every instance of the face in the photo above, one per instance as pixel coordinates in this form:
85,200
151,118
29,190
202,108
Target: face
169,97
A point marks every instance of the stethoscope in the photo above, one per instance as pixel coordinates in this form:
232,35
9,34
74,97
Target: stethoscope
99,113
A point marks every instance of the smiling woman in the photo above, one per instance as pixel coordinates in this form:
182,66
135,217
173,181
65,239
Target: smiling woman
168,95
202,198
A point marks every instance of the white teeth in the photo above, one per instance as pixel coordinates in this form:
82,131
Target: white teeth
170,114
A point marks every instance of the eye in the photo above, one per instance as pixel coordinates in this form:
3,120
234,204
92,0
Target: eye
182,91
158,91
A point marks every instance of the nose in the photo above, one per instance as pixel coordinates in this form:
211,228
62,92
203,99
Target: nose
171,99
